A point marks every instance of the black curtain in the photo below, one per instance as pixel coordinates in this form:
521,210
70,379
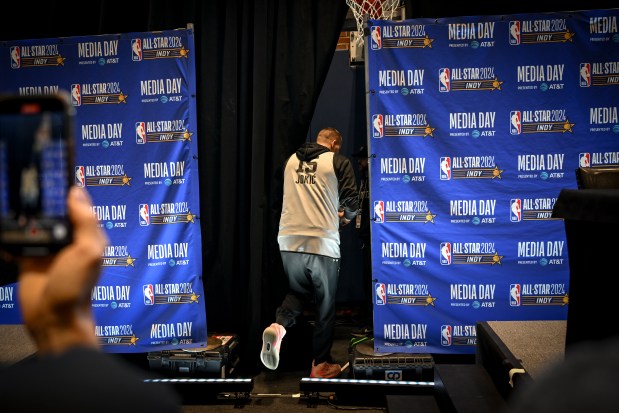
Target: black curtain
414,9
260,68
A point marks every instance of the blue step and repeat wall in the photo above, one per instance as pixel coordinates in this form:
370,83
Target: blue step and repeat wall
136,154
475,125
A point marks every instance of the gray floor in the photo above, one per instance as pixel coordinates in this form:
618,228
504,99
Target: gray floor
537,344
15,344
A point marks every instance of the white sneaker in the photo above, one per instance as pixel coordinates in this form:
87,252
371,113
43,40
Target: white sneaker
271,341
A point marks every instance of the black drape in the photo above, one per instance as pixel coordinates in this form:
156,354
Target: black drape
260,68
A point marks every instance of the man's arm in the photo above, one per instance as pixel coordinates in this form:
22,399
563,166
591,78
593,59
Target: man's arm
347,186
54,291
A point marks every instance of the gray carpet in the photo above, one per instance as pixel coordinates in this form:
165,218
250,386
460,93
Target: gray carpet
537,344
15,344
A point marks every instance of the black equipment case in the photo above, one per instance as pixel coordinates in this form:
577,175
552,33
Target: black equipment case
218,359
368,365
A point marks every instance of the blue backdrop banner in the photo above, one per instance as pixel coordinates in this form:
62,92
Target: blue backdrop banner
136,154
475,125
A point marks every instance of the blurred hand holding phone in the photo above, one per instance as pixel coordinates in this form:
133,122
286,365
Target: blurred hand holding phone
36,166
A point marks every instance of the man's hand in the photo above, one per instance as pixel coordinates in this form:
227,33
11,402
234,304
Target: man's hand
54,292
343,220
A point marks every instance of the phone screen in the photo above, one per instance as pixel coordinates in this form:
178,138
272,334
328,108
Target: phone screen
35,162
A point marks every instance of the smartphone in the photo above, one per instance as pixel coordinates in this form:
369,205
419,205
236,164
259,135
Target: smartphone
36,162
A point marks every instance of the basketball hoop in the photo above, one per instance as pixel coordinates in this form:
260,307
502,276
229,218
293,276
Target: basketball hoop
363,10
374,9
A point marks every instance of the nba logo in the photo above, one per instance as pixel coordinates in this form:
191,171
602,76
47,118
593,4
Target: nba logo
585,74
379,211
381,294
584,159
76,94
445,335
377,42
445,253
445,173
136,50
515,122
444,84
15,57
80,177
514,295
140,133
515,210
149,295
514,33
144,215
377,126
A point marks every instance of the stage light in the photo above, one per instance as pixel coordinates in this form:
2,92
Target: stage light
196,390
310,383
198,380
361,390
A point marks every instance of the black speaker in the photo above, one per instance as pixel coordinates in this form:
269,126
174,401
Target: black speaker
591,221
597,177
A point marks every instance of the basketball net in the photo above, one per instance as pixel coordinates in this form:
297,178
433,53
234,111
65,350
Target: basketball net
374,9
